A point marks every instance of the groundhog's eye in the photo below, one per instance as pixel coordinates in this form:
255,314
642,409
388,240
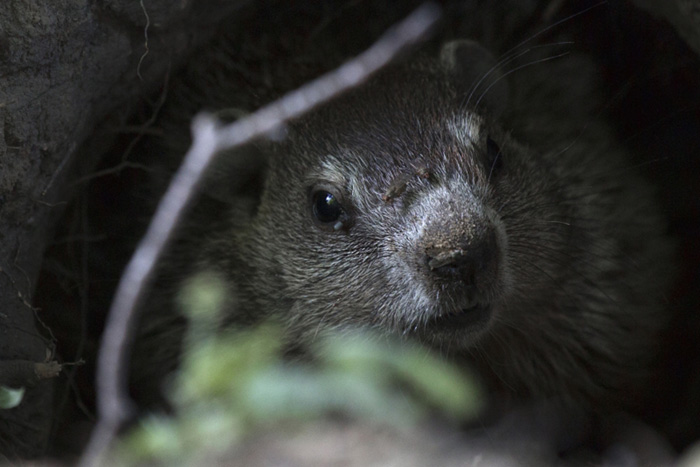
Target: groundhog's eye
494,157
327,210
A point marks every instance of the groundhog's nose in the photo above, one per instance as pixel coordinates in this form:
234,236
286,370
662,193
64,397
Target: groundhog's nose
471,261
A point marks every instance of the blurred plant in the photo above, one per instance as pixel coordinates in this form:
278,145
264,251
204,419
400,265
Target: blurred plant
10,398
234,383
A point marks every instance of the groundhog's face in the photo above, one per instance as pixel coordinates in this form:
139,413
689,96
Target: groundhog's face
393,207
404,206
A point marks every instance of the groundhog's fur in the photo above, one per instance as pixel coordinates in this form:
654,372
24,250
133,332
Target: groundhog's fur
500,224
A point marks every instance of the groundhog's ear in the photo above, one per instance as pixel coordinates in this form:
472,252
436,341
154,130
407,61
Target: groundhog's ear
236,174
476,75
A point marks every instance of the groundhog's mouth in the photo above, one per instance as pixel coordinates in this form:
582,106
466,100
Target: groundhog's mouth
463,319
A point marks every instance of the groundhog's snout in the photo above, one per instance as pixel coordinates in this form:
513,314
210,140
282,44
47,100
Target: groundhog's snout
460,261
471,260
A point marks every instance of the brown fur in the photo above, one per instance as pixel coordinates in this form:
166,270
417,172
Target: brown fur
558,235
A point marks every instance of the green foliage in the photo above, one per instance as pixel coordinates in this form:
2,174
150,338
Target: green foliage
10,398
232,384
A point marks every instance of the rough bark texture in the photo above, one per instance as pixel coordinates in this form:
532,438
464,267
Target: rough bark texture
65,66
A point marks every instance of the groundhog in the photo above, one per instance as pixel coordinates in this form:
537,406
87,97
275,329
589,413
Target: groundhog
477,204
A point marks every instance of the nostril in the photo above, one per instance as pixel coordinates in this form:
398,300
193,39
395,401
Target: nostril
457,264
468,264
440,258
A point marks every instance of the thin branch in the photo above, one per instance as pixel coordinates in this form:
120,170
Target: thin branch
209,138
145,43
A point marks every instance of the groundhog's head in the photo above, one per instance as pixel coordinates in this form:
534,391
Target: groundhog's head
390,207
404,205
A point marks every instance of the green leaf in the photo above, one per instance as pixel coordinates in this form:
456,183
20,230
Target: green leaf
439,382
10,398
234,383
203,297
220,365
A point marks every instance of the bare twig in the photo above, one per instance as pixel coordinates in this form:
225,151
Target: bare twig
154,115
113,170
145,43
58,170
209,138
140,131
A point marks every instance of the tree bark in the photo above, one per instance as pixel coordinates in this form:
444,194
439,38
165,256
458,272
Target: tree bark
65,66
